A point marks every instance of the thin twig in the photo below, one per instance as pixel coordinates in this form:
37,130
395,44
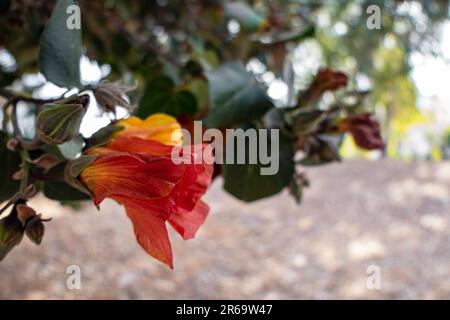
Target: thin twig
18,96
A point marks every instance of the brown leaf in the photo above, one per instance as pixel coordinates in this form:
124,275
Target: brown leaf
365,131
325,80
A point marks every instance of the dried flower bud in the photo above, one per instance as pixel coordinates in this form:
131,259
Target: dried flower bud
11,232
45,161
35,229
12,144
18,175
25,213
109,95
29,192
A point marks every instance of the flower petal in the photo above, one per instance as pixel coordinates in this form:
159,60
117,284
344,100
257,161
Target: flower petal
187,223
151,233
141,146
158,127
194,183
129,175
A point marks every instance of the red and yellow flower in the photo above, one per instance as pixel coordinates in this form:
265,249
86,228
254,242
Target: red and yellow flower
136,170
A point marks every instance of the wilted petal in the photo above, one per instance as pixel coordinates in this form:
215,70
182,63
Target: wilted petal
365,130
325,80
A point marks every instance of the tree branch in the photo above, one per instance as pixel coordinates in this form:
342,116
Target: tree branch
14,96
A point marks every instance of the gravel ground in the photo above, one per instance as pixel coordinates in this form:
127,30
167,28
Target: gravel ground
356,214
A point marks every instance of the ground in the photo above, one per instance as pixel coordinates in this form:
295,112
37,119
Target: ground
391,215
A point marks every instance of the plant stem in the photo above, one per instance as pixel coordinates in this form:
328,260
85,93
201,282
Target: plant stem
25,168
14,96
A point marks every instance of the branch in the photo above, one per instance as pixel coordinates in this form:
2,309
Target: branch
14,96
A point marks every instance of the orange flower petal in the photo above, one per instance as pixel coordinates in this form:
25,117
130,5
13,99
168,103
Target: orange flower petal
138,145
129,175
151,232
157,127
194,184
187,223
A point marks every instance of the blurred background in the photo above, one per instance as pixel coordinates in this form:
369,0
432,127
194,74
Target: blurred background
390,214
385,208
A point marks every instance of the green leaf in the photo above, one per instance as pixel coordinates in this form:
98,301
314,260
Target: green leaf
57,188
60,48
73,170
245,181
9,163
199,89
103,136
161,95
249,20
61,191
235,97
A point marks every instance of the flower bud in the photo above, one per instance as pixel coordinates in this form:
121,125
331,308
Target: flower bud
12,144
109,95
25,213
29,192
18,175
11,233
35,229
45,161
60,121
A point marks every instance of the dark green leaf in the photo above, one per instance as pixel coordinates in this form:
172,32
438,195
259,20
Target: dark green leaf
235,97
161,95
61,191
103,136
245,181
60,50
